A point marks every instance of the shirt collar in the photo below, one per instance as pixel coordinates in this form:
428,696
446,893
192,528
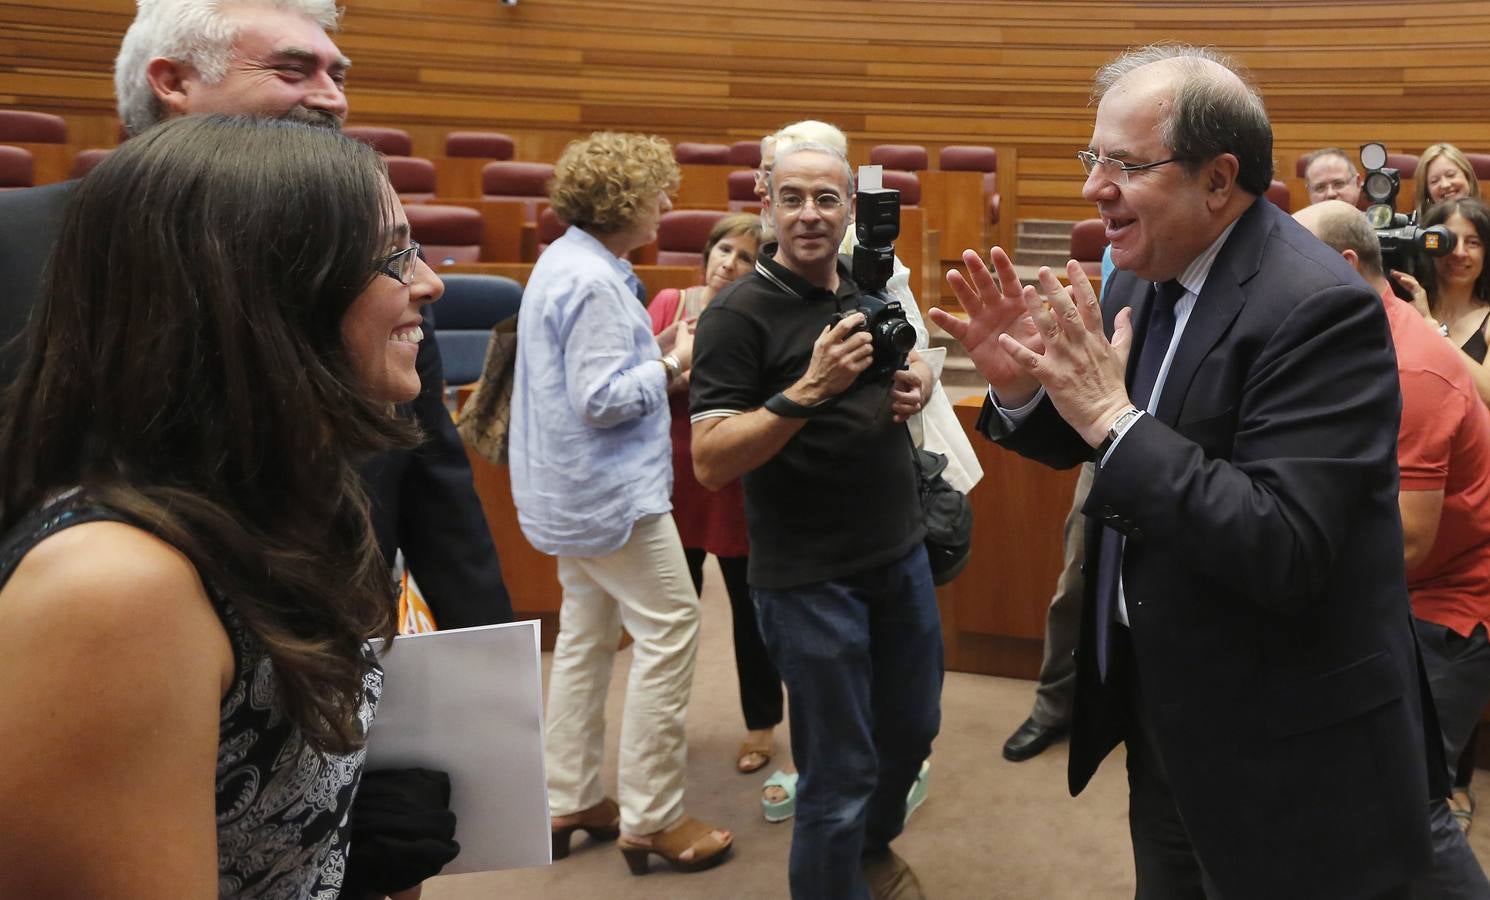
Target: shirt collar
591,243
1195,274
792,283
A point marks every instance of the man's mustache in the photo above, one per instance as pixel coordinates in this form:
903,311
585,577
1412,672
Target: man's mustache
317,117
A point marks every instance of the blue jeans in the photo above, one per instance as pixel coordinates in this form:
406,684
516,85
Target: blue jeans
862,661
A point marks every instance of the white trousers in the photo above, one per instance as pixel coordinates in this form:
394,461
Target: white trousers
644,586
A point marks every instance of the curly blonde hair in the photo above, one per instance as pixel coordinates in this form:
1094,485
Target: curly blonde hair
603,181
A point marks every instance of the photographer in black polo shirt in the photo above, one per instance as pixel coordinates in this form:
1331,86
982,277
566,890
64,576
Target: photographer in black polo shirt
837,566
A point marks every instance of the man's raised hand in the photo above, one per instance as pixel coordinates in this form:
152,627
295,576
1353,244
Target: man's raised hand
994,307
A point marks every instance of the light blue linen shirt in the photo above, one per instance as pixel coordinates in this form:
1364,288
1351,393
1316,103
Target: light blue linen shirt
589,448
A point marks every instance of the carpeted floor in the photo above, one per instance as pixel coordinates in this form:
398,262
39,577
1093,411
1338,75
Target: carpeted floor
990,829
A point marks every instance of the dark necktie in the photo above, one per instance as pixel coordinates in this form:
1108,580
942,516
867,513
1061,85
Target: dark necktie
1151,352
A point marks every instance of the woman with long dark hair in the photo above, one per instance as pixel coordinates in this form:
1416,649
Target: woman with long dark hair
190,579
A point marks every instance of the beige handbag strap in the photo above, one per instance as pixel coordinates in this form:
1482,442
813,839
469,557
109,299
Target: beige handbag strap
682,304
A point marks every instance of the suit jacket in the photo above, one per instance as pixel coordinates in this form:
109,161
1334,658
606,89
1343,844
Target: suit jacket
1263,576
422,499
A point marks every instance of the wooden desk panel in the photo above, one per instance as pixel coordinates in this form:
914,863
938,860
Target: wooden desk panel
531,577
458,176
955,206
502,224
704,187
994,612
656,278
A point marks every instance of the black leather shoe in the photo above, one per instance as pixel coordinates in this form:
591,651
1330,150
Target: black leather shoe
1030,740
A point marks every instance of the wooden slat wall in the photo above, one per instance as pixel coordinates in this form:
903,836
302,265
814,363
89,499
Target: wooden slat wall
1010,74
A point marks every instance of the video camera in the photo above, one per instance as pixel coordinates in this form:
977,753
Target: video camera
877,224
1401,238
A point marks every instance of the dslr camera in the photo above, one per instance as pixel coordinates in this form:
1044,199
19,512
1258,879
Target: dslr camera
1401,238
877,224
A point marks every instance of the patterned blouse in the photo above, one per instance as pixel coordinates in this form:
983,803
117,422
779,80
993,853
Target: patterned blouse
282,807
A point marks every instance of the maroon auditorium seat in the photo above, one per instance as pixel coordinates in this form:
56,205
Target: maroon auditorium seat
967,158
1088,241
84,162
550,229
681,236
388,141
22,127
745,153
481,144
1278,193
412,177
701,154
905,157
16,170
907,184
1480,162
742,191
1405,163
449,234
512,180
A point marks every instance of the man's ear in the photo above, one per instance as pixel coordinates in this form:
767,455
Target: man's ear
1221,178
170,80
1352,257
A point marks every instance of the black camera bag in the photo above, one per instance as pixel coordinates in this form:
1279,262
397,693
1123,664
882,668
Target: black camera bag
949,518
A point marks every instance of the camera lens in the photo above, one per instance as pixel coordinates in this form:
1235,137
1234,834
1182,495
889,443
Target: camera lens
898,335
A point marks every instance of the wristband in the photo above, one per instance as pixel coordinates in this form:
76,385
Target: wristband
786,407
671,365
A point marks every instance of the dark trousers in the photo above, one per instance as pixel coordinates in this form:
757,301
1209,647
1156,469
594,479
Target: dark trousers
760,685
862,661
1163,856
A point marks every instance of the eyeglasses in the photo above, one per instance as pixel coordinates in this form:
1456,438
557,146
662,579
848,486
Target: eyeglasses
1115,170
795,203
1338,185
400,265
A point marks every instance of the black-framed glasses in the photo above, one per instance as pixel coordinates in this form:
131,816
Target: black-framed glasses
400,265
1115,170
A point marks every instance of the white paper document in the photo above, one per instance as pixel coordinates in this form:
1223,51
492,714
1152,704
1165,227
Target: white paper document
470,702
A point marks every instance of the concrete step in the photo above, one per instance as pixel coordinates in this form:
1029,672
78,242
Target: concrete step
1045,226
1061,242
1033,259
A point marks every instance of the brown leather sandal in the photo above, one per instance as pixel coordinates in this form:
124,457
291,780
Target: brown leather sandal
688,834
602,822
761,750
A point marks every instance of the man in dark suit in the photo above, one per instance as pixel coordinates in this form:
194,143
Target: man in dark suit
282,62
1245,627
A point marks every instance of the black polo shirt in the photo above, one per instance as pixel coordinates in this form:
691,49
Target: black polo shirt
840,497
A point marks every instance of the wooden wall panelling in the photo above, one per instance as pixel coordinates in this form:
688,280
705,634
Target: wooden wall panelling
921,71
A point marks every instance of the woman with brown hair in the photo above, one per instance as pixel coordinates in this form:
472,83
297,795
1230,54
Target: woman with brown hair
190,579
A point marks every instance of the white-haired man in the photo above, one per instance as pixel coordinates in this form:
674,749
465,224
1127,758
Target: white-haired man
838,567
277,59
